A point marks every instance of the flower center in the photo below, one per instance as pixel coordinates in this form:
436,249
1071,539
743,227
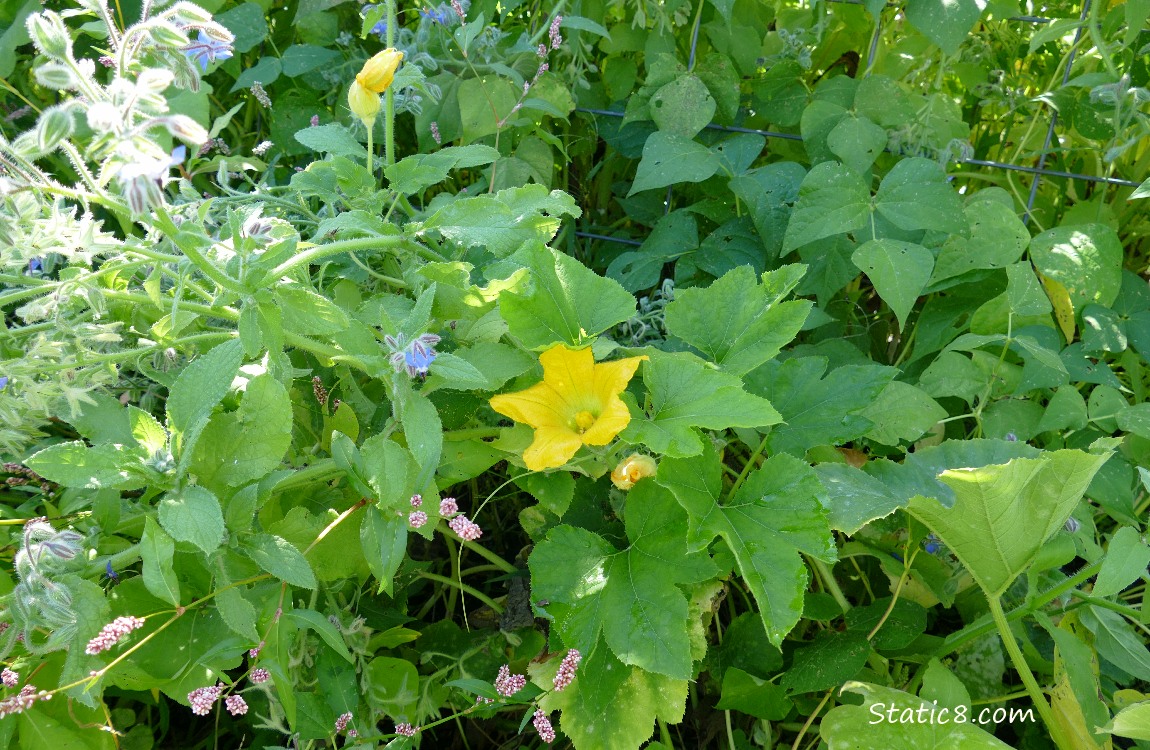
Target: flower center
584,420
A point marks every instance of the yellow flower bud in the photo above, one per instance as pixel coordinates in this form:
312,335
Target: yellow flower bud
379,71
631,469
364,104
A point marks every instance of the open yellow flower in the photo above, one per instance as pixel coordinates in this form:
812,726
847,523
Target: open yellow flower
576,404
378,72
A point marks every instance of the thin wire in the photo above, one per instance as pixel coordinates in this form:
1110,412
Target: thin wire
977,162
1019,19
710,126
1054,117
1039,172
1052,173
607,238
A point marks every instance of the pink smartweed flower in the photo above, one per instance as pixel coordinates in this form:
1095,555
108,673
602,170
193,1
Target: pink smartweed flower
236,705
261,95
507,684
448,507
416,500
342,722
407,730
435,133
254,652
23,700
259,676
321,392
567,669
467,529
543,726
202,699
555,37
113,633
416,519
9,678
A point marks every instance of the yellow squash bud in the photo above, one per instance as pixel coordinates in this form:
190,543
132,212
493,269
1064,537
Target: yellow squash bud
631,469
364,104
379,71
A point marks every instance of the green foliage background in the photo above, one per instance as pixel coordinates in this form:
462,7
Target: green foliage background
887,263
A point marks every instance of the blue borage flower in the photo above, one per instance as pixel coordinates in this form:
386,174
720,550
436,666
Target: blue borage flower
380,28
415,357
441,14
931,544
206,49
3,382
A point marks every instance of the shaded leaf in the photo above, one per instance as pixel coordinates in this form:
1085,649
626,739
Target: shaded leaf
669,158
774,516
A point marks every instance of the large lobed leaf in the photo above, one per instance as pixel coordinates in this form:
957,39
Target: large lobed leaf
504,221
736,322
1003,513
631,596
567,302
849,727
687,393
612,705
773,517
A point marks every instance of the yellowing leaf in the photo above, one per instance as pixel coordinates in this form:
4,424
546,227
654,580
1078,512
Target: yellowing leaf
1067,712
1063,307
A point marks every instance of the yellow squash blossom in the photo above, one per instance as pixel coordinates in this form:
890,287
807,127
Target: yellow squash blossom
378,72
632,469
576,404
364,104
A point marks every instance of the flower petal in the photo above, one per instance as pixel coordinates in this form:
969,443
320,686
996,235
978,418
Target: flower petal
611,378
552,447
538,406
571,372
610,423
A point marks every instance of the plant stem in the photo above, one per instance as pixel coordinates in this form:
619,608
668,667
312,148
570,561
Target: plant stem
1099,42
479,549
319,252
894,596
811,719
319,471
370,150
389,97
462,587
984,624
747,467
473,433
1023,669
202,262
338,520
828,579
